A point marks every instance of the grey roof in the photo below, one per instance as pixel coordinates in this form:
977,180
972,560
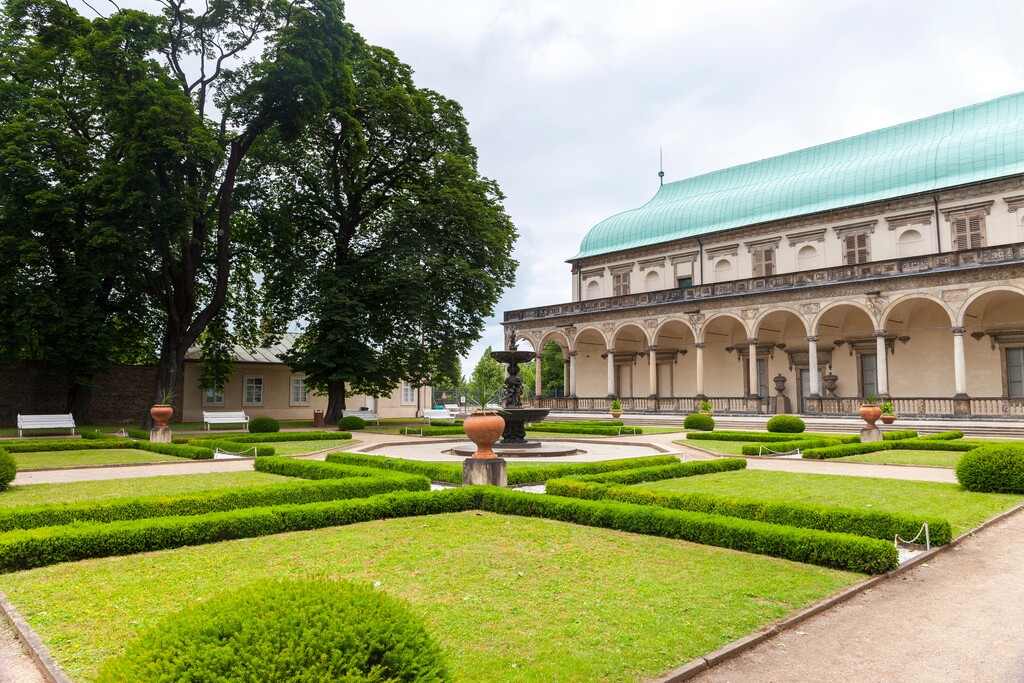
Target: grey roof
263,354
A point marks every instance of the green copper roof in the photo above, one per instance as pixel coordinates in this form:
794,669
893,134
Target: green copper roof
962,146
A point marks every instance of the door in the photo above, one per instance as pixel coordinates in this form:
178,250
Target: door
805,387
624,380
665,389
869,374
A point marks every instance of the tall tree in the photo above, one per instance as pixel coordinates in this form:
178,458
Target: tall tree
379,232
552,370
168,107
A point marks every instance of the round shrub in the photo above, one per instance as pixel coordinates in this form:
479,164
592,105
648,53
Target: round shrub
264,425
786,424
316,630
350,423
700,421
992,469
7,469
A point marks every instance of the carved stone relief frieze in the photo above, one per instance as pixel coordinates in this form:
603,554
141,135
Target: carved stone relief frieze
954,295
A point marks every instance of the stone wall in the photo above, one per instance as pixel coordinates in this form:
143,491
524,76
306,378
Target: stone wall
120,397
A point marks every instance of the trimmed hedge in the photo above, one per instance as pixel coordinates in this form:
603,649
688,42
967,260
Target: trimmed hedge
451,430
309,630
674,471
264,425
828,549
786,424
873,524
177,450
945,436
8,469
351,423
576,428
899,435
272,438
529,474
765,437
45,445
917,444
699,421
788,446
843,450
358,482
229,445
993,468
27,548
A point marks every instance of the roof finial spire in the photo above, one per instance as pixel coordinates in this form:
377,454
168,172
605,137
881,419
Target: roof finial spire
661,167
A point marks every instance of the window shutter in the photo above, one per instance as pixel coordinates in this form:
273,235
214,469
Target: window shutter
850,248
960,236
974,228
769,262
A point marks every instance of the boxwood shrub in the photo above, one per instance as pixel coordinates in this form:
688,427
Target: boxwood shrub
899,435
360,483
577,428
995,468
788,446
699,421
874,524
45,445
177,450
8,469
263,632
351,423
673,471
272,438
765,437
843,450
229,445
946,436
786,424
828,549
450,430
263,425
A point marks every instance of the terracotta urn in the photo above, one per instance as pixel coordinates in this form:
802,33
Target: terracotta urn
161,413
870,414
888,419
483,428
616,413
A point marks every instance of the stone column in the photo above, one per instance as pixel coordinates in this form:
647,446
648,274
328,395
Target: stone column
812,360
611,373
565,375
572,373
753,399
537,375
882,364
700,370
961,401
652,357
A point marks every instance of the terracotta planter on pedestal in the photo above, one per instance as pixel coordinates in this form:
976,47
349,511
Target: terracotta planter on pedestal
870,415
161,413
483,428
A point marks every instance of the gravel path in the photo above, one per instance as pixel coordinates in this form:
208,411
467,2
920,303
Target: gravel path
15,664
957,618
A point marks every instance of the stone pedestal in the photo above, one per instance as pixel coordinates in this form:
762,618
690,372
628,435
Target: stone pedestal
160,435
780,405
870,435
489,471
961,404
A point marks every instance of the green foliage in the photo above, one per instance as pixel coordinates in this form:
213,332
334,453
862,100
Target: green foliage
828,452
351,423
899,435
229,445
786,424
997,468
706,407
873,524
552,370
177,450
765,437
673,471
272,438
447,430
8,469
699,421
950,435
357,483
263,633
888,408
616,405
264,425
580,428
486,381
47,445
828,549
788,446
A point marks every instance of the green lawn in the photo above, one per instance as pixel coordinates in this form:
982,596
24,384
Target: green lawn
934,458
74,492
304,447
111,456
963,509
720,447
509,598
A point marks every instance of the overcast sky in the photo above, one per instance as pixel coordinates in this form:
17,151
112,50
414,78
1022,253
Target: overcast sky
569,101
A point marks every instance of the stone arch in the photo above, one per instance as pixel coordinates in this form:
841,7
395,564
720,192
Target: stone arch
586,331
643,336
667,321
910,298
719,315
558,337
993,320
961,316
675,361
775,312
590,345
816,322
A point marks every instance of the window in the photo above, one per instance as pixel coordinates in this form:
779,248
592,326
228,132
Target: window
855,249
253,391
763,261
213,397
300,396
408,394
684,282
762,377
1015,373
620,284
868,374
968,231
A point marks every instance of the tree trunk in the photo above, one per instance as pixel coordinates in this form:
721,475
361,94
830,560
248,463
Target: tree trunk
79,403
169,372
335,402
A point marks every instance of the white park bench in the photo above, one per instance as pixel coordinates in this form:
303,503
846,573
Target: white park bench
438,414
46,422
221,417
365,415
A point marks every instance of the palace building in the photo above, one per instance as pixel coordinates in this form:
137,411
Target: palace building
889,264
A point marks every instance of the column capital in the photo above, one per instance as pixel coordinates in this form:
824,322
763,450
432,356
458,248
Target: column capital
538,354
813,339
752,341
565,361
879,333
652,348
610,352
572,354
958,331
700,345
